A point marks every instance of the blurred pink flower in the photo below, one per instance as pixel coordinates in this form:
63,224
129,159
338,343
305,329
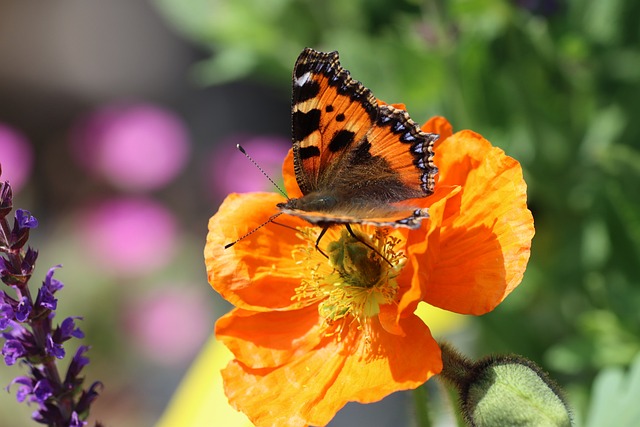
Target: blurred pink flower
128,236
16,157
230,171
170,325
134,147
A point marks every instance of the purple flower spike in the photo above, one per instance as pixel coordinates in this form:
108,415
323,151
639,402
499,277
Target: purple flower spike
68,329
77,363
7,313
88,397
50,283
6,198
45,299
29,261
25,389
76,421
12,351
50,415
25,219
42,391
28,333
24,309
53,348
79,358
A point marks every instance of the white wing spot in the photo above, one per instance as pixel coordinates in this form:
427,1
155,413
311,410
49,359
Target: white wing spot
303,79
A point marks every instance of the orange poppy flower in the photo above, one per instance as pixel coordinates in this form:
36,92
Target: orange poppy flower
310,334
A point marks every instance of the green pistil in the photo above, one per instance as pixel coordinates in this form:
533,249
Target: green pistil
361,280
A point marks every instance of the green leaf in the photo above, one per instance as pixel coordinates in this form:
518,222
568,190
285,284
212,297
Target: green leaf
615,398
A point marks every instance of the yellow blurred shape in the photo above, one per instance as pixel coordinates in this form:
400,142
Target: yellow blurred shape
200,401
439,321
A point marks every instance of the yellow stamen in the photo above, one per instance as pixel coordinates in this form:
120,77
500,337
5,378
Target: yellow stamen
355,281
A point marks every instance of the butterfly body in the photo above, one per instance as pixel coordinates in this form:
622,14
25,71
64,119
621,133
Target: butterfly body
355,161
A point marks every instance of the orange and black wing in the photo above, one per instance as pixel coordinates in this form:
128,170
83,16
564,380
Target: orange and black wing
331,113
407,151
354,159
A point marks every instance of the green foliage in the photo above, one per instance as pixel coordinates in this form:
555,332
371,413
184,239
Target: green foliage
557,90
615,398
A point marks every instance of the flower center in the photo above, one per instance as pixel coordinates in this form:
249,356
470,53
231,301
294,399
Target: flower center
357,278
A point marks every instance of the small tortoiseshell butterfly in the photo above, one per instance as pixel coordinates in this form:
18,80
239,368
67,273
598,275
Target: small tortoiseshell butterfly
355,161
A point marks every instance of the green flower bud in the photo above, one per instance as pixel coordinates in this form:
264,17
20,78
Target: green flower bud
511,393
505,391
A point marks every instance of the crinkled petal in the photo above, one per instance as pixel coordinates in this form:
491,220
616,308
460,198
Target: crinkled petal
269,339
479,254
316,384
420,245
258,272
439,125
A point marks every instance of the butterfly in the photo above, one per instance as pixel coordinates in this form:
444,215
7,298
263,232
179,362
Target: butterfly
355,161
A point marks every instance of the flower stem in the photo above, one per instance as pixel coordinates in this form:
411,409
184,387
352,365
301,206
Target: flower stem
421,404
454,400
456,369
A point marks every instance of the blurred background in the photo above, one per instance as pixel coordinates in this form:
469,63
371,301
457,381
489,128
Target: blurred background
118,125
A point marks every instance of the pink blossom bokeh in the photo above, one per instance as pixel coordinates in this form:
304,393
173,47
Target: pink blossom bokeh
128,236
137,147
16,157
230,171
169,325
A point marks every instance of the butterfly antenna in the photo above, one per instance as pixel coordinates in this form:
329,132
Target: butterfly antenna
271,218
261,170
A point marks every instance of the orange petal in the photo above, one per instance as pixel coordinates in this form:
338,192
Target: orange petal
394,105
418,245
443,203
315,385
397,105
289,175
269,339
439,125
483,245
258,272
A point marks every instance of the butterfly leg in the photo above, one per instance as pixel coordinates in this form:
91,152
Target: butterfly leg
324,230
285,226
355,236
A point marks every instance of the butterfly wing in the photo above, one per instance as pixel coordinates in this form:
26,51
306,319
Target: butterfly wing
354,160
331,113
405,149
